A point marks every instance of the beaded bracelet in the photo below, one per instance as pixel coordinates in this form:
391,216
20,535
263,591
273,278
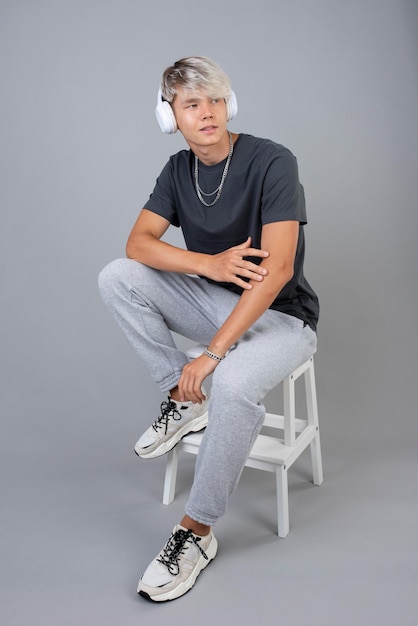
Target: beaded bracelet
214,356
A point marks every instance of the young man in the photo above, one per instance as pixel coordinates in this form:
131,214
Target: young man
238,288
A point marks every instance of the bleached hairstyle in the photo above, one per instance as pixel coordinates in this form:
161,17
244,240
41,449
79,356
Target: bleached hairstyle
195,74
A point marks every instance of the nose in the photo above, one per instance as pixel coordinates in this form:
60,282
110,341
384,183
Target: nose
207,112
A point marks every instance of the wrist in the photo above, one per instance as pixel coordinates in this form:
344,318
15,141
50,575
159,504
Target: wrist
213,355
202,265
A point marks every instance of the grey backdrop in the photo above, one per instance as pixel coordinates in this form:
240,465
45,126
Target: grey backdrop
81,516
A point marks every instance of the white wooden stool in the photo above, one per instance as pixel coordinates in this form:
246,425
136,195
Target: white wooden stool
271,453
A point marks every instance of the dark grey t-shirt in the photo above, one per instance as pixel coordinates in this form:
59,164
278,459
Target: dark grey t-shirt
262,186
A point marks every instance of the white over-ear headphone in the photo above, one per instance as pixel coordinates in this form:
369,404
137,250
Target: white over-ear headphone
167,121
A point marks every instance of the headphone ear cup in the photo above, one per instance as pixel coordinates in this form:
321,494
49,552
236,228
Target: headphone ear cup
231,106
165,115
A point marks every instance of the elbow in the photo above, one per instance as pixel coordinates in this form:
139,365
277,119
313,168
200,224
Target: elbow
129,249
286,276
139,247
285,271
288,273
283,276
132,249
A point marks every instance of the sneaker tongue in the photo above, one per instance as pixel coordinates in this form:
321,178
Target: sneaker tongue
180,527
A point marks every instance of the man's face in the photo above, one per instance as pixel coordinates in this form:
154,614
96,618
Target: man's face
200,118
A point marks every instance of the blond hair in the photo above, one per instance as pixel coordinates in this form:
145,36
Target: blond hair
193,74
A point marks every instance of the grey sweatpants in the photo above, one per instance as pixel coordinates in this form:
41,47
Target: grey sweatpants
148,304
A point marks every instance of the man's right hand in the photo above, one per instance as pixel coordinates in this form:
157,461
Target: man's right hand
230,266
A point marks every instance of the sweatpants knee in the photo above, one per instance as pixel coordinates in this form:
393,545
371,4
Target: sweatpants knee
111,275
231,385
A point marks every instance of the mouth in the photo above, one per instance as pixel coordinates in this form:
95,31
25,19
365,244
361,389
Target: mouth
208,129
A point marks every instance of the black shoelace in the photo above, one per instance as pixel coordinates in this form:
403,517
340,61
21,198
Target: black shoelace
175,547
168,410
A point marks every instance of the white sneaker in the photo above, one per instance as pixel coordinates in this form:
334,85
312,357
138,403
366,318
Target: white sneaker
177,419
174,570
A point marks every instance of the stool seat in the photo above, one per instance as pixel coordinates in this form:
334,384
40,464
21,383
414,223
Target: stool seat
273,452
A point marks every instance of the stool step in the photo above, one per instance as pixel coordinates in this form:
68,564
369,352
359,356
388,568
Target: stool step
272,450
277,421
267,449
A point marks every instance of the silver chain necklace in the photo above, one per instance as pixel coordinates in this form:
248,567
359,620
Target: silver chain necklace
218,190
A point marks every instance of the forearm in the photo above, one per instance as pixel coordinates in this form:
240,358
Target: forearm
163,256
280,239
250,307
145,245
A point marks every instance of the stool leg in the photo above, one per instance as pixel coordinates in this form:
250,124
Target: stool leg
170,476
282,501
312,407
316,457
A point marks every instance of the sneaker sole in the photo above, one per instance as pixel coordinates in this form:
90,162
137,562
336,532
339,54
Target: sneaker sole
188,584
192,427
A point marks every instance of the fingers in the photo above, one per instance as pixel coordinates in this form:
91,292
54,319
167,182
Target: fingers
193,396
252,270
246,244
251,251
192,377
232,265
243,283
248,270
256,252
190,392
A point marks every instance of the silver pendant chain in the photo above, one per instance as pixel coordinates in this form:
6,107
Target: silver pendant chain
218,190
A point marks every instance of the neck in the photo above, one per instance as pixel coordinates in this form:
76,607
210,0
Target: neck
218,190
211,155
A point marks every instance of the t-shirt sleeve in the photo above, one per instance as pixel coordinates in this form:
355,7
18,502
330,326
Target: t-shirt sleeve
283,195
162,199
